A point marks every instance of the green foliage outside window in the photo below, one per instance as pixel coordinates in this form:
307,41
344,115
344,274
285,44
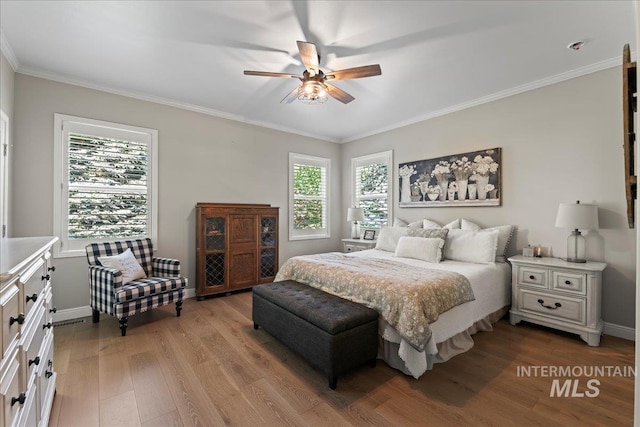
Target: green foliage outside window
372,194
309,197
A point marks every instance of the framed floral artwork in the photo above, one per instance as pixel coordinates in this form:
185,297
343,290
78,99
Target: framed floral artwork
467,179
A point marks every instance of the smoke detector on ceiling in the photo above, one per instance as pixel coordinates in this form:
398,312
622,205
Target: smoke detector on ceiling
576,45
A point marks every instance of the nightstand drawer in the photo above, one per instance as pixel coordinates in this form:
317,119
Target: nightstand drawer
569,282
354,248
560,307
532,276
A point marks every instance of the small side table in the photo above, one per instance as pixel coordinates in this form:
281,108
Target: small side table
558,294
354,245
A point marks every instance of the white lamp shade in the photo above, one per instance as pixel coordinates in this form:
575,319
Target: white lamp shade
577,215
355,214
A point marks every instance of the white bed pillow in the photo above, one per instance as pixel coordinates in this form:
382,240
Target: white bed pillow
453,225
477,247
425,249
127,263
397,222
504,236
389,236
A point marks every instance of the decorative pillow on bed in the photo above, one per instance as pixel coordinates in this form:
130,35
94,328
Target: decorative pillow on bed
430,233
127,263
425,249
389,236
504,236
397,222
453,225
478,247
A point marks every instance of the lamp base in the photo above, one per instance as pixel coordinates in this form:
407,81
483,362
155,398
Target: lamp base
576,247
576,260
355,230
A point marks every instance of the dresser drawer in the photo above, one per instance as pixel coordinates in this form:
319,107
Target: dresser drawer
10,389
569,282
29,413
560,307
11,318
532,276
31,342
32,283
46,377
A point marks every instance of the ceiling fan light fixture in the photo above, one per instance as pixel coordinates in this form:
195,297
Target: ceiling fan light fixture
313,92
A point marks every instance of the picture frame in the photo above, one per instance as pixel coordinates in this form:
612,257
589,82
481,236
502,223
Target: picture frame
369,235
466,179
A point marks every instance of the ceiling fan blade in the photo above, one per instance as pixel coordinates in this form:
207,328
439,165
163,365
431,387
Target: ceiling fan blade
291,96
339,94
270,74
309,56
355,73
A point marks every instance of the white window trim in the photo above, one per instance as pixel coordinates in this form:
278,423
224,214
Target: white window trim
4,175
383,156
64,247
323,233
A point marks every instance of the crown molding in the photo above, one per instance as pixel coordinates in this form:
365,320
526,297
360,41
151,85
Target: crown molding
6,50
578,72
34,72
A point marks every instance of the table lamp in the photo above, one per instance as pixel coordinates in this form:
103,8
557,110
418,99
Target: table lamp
576,215
355,215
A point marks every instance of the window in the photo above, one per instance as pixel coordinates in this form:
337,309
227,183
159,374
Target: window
105,183
308,197
371,188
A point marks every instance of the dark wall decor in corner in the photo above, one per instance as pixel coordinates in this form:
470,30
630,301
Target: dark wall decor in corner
629,106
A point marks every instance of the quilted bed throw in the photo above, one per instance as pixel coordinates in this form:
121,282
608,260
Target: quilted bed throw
409,298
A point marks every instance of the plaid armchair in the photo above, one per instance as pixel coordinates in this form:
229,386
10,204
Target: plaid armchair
163,284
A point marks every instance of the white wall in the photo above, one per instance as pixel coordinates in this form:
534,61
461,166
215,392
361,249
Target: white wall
201,159
7,84
560,143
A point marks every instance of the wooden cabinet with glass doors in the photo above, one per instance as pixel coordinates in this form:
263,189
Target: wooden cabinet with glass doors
236,246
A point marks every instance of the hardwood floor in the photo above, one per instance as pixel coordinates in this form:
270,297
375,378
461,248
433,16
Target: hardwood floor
211,368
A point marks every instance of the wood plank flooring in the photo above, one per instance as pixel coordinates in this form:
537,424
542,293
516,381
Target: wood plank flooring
211,368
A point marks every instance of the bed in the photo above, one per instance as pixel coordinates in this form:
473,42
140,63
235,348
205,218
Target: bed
451,333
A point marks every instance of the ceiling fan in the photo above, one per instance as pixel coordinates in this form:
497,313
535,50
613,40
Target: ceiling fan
314,87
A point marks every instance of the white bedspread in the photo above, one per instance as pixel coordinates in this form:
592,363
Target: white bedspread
491,284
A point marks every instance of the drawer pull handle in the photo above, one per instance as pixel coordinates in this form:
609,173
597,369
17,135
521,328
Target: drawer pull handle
35,361
52,268
33,297
20,399
47,325
53,310
50,363
557,305
567,282
48,374
47,277
532,277
19,319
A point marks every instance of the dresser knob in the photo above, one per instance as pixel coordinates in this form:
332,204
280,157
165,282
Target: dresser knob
33,297
20,399
567,282
47,277
53,310
50,363
35,361
48,374
19,319
52,268
532,277
557,305
47,325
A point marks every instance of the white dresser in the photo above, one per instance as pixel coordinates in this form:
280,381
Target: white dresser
558,294
27,376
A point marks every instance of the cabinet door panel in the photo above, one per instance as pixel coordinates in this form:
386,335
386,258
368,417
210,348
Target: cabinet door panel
242,267
243,229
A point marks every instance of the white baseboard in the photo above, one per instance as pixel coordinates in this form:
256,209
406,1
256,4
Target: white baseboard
72,313
85,311
624,332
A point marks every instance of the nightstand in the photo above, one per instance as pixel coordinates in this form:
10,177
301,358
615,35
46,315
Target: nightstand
354,245
558,294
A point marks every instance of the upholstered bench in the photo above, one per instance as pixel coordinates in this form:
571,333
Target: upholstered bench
331,333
